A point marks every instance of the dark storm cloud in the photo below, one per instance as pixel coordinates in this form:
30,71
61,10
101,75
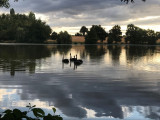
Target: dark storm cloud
68,5
71,13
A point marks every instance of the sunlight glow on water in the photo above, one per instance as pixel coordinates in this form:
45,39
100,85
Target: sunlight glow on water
114,82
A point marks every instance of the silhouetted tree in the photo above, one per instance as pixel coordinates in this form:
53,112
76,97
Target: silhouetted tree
136,35
23,28
78,34
158,35
32,16
12,12
101,33
91,37
115,34
83,30
64,38
54,36
151,37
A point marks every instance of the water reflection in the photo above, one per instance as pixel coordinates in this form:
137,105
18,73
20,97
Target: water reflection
21,58
104,86
61,49
134,53
115,52
95,52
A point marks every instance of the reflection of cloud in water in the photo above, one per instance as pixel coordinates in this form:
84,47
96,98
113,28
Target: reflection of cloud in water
103,95
6,93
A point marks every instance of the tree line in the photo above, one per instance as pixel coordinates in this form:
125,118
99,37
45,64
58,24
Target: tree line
27,29
134,35
23,28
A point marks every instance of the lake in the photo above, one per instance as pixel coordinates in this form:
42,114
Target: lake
114,81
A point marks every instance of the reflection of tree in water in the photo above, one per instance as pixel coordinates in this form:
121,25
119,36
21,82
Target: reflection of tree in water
21,58
134,53
62,49
95,51
114,52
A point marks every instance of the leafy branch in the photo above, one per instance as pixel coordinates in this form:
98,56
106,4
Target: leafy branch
38,113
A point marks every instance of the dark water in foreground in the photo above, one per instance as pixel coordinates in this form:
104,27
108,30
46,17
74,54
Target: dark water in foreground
114,82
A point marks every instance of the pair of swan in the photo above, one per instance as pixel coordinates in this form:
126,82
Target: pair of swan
75,60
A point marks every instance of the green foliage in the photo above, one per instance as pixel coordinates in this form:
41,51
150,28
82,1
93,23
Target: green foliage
91,37
23,28
64,38
136,35
115,34
101,33
54,36
83,30
16,114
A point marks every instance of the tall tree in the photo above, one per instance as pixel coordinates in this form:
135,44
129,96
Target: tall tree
54,36
151,37
83,30
115,34
101,33
91,37
12,12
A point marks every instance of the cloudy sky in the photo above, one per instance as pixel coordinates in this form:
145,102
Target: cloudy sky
70,15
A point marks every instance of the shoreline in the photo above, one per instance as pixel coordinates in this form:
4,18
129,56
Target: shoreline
3,43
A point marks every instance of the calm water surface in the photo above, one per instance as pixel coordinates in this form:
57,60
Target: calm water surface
114,82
